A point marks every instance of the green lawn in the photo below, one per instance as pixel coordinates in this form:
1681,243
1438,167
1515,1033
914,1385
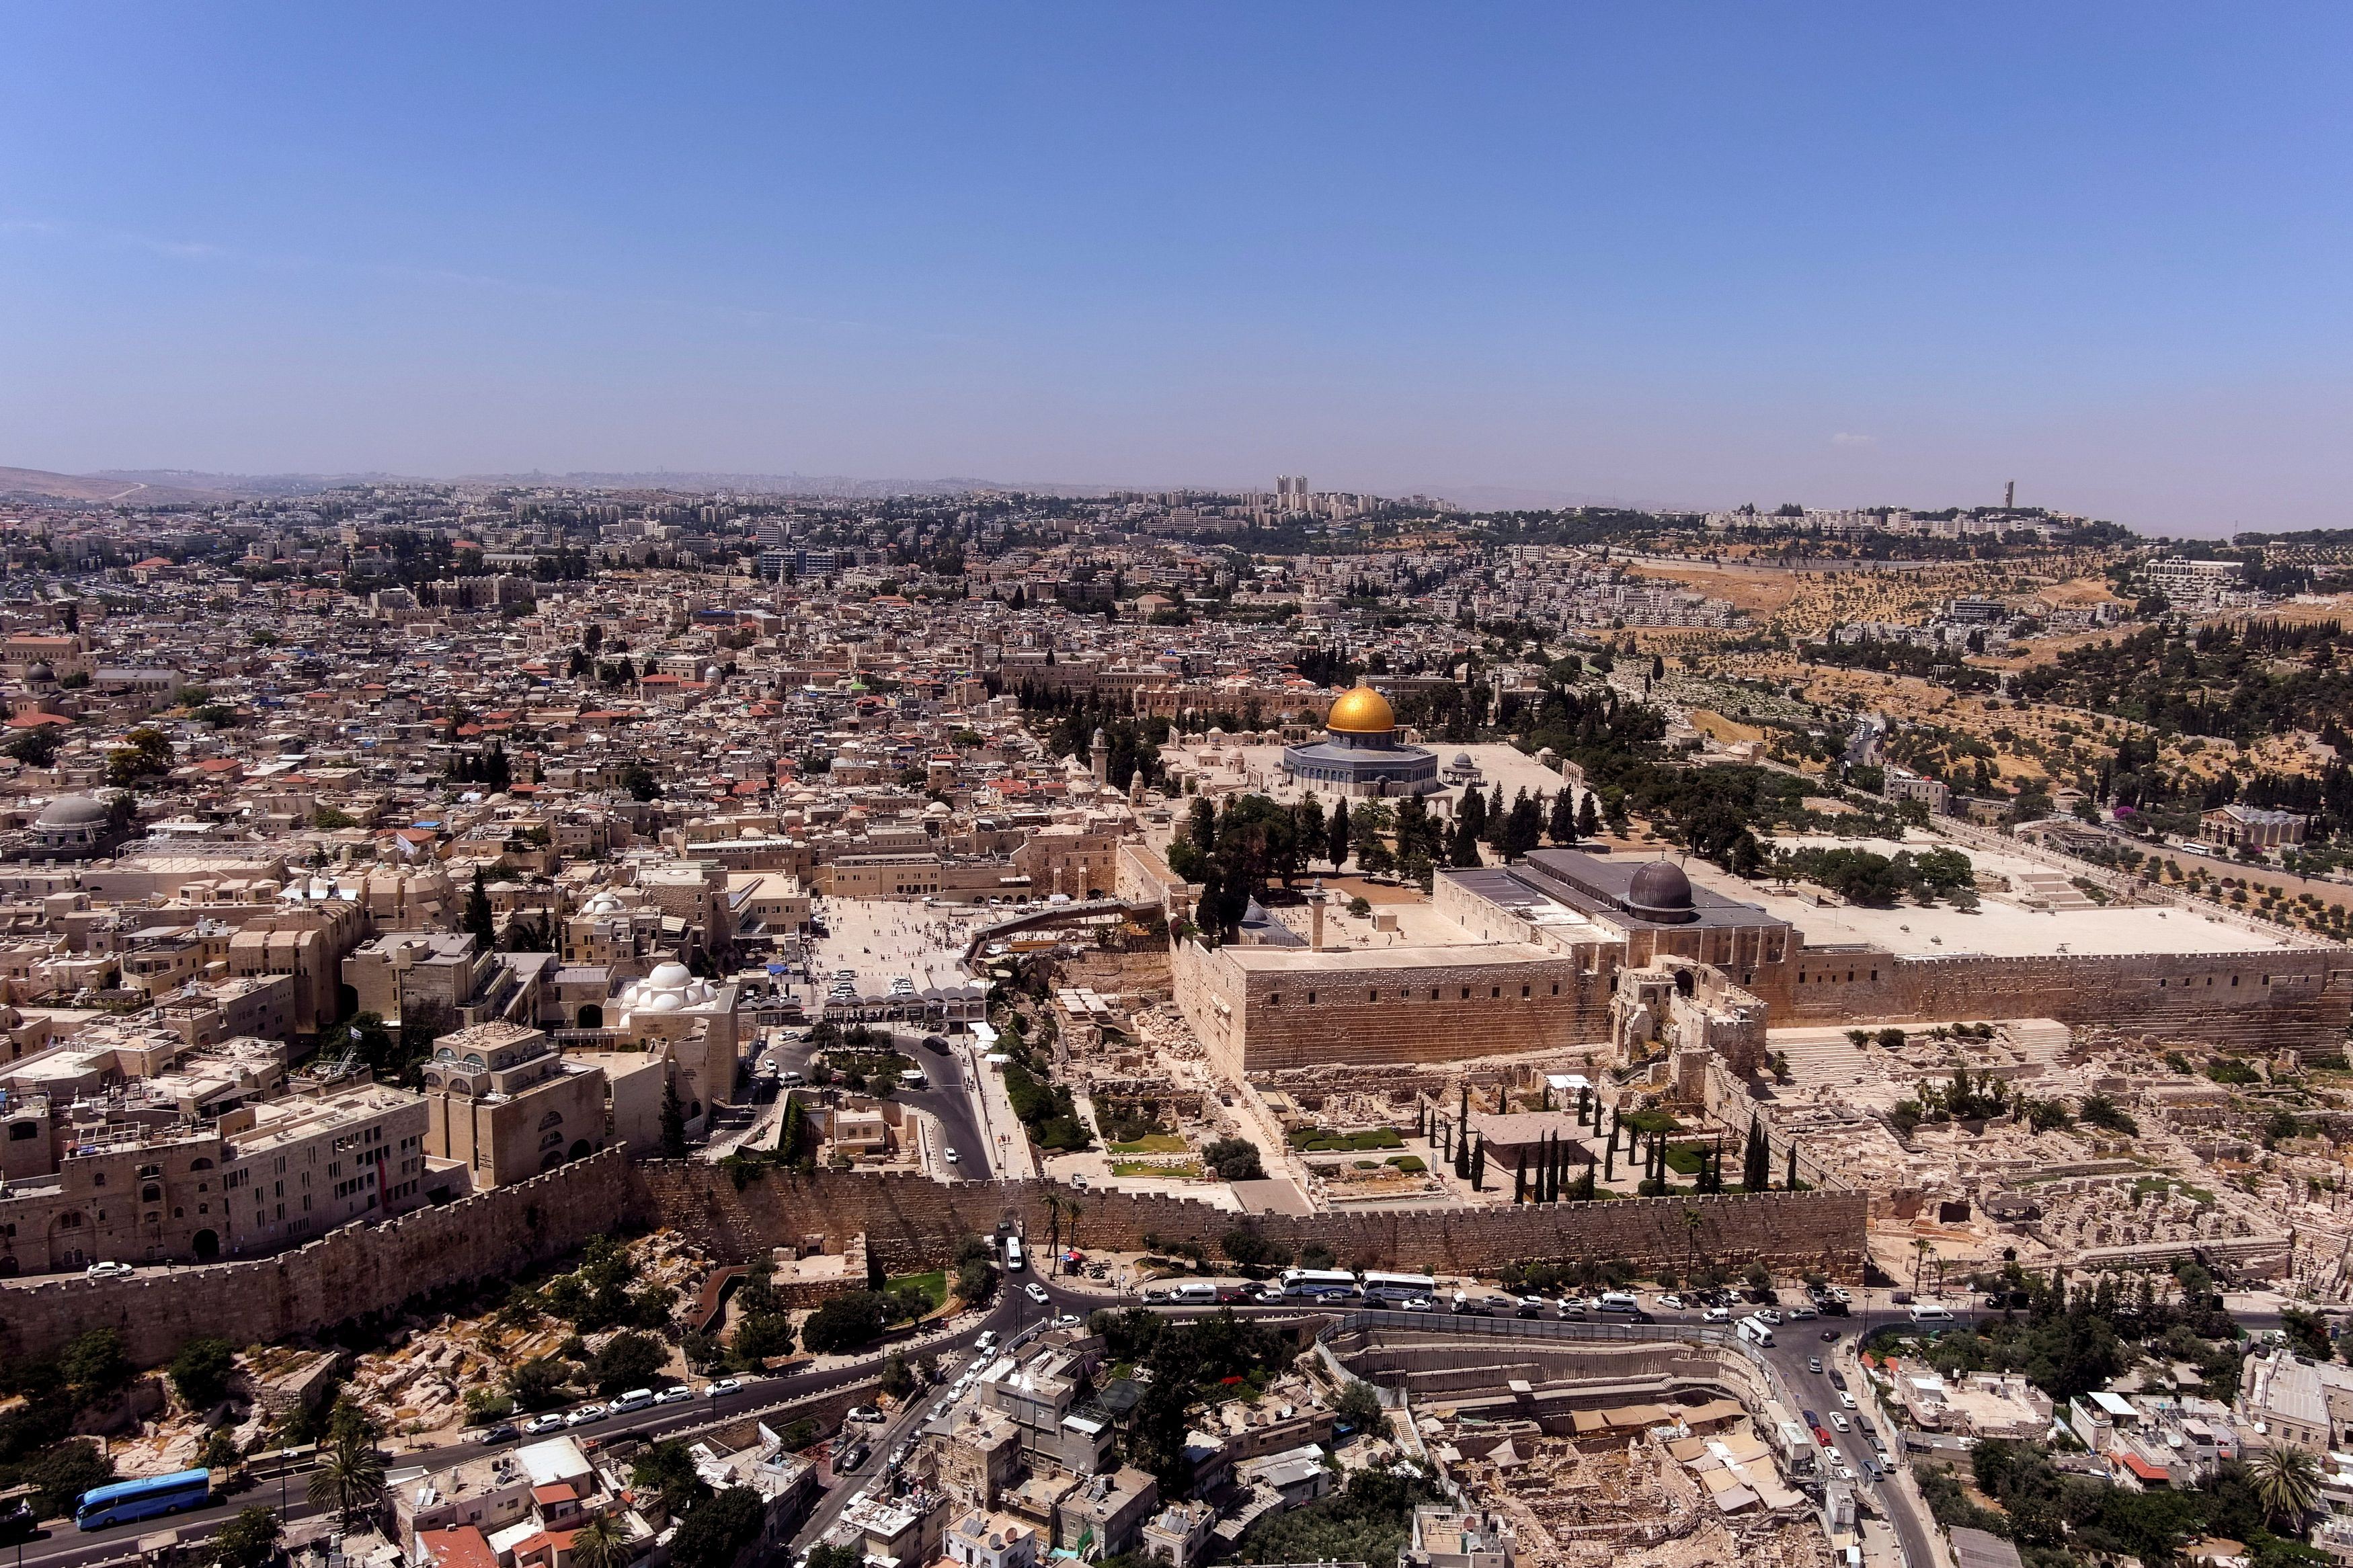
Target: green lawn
1153,1144
934,1285
1683,1159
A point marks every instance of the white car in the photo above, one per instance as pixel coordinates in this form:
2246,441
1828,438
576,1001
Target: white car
1672,1302
1846,1399
634,1400
1769,1314
1839,1423
721,1386
951,1156
1420,1304
109,1270
677,1393
1717,1315
1037,1293
551,1421
585,1413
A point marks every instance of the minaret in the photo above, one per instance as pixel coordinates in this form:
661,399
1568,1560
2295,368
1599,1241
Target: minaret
1316,899
1100,751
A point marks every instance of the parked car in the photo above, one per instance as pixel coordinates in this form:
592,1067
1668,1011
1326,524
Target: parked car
863,1413
1770,1314
1717,1315
1530,1307
952,1154
551,1421
987,1343
636,1399
720,1386
1419,1304
1846,1399
674,1393
585,1413
502,1433
1839,1423
849,1461
1813,1363
1802,1314
1672,1302
109,1270
1572,1312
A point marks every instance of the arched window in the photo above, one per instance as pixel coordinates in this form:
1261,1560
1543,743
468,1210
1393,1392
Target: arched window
552,1119
150,1194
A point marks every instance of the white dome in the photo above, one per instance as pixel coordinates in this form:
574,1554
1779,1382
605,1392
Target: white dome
667,1002
673,977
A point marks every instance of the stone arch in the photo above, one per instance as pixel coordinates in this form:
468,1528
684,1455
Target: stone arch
206,1244
579,1150
66,1248
592,1015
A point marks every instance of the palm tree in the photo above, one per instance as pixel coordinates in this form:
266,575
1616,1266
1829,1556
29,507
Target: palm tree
2288,1480
601,1544
1054,1218
349,1480
1693,1219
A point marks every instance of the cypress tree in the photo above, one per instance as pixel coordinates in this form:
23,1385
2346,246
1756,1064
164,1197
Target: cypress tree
1520,1182
1790,1180
1479,1167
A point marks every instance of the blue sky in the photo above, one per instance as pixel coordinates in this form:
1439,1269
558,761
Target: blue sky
1686,254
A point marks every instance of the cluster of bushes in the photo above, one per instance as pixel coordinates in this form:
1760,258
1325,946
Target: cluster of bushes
1233,1160
1047,1111
1860,876
37,1447
597,1296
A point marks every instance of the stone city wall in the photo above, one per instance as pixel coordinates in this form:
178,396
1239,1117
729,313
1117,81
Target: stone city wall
357,1270
911,1222
2294,997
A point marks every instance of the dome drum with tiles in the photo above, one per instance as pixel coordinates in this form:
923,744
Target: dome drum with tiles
1360,753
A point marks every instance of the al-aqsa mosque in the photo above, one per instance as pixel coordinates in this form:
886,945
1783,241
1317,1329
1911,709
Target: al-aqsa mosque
1360,753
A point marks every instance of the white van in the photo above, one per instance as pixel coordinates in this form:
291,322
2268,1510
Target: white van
636,1399
914,1078
1929,1313
1013,1264
1195,1293
1617,1301
1756,1331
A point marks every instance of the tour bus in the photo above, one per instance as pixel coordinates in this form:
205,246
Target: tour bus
123,1501
1929,1313
1754,1330
1318,1282
1379,1287
1013,1255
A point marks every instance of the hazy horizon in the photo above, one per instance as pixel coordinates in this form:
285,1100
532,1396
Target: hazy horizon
1691,257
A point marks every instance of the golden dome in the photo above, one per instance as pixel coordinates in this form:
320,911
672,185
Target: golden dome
1361,711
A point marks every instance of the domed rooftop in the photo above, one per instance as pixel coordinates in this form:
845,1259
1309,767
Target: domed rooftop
1660,892
71,811
1362,711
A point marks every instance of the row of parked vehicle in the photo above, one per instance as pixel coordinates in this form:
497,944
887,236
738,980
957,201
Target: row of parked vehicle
628,1404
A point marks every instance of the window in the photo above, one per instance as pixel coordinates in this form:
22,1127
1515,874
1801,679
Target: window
1374,994
1525,992
1274,998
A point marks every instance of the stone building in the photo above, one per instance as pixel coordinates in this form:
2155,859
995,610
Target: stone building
505,1103
1360,754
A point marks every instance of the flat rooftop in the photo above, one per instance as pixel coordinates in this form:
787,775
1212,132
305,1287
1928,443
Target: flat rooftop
1999,928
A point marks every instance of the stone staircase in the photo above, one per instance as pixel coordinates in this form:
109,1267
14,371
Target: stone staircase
2046,890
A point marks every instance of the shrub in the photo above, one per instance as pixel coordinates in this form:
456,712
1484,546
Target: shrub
627,1360
844,1322
1234,1160
200,1372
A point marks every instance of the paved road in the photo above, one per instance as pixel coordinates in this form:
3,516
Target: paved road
950,1098
70,1548
1015,1312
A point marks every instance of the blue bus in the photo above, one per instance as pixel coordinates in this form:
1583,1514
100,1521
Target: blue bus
120,1502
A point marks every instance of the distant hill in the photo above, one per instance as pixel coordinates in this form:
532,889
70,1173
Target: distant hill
38,484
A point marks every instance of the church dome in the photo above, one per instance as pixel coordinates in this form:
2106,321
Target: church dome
1660,890
1362,711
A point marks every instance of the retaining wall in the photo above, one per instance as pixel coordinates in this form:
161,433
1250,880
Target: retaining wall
911,1222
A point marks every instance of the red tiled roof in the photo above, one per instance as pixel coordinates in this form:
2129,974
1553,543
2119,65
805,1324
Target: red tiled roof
462,1546
34,721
